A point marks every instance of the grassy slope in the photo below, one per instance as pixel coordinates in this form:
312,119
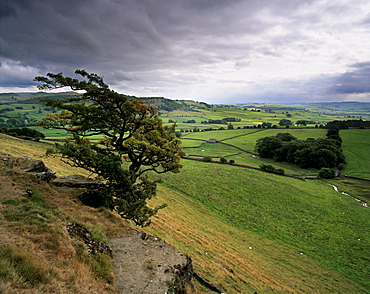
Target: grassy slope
267,211
356,146
18,147
216,212
36,253
242,143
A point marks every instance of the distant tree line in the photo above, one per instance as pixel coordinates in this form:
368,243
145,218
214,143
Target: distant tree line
223,121
271,169
310,153
23,133
6,110
36,99
17,122
345,124
160,103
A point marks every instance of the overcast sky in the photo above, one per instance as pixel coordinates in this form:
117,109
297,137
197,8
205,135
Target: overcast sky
216,51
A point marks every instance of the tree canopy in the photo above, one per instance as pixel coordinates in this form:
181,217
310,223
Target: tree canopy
132,141
316,153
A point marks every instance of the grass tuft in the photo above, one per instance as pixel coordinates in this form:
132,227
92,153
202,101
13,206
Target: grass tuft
20,266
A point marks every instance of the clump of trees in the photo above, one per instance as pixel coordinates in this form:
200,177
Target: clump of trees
223,121
23,133
345,124
133,142
271,169
315,153
285,122
326,173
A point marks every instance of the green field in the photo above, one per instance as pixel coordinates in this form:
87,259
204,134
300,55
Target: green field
251,231
356,146
306,217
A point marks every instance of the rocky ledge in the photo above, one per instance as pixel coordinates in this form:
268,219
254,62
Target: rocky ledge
148,265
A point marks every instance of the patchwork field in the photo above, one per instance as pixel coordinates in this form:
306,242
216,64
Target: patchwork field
251,231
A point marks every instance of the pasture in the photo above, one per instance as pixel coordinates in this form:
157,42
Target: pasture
218,211
247,230
356,146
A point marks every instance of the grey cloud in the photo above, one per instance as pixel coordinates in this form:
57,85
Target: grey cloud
355,81
15,75
6,9
153,45
87,32
76,32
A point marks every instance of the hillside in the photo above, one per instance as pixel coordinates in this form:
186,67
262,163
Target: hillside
20,110
245,230
36,253
51,243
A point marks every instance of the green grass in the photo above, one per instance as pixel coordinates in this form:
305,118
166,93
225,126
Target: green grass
240,143
20,266
308,216
356,147
306,238
33,213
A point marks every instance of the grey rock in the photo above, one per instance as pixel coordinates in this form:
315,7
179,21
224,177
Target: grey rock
148,265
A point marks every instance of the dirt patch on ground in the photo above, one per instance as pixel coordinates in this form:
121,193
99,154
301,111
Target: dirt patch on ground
148,265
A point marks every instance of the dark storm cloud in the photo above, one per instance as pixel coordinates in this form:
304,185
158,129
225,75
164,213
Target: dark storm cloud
199,48
73,32
135,34
355,81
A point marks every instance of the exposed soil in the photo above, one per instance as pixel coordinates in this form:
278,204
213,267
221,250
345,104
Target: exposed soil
148,265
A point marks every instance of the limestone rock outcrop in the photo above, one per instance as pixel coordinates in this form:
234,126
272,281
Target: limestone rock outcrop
148,265
76,181
77,231
27,164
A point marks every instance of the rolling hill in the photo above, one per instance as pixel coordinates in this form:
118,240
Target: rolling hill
246,230
250,231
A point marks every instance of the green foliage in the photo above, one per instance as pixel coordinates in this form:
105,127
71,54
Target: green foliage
267,146
266,125
207,159
131,132
285,122
271,169
345,124
326,173
23,133
314,153
215,121
223,160
287,137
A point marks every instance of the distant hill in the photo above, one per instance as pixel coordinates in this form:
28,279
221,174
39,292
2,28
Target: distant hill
162,104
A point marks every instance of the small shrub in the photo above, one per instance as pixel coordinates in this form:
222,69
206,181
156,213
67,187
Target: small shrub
267,168
279,171
271,169
231,161
326,173
341,166
207,159
223,160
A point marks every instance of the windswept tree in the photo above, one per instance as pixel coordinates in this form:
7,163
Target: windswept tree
133,141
